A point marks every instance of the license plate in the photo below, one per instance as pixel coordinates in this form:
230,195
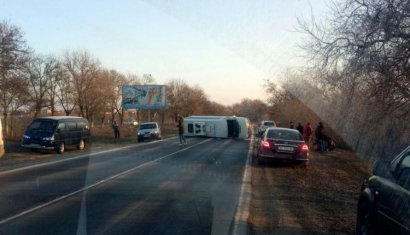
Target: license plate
284,148
147,135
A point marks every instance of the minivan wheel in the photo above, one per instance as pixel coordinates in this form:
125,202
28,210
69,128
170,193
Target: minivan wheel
365,219
61,147
81,145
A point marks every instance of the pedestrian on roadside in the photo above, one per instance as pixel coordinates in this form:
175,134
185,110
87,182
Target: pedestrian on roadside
180,126
116,129
308,134
300,128
291,125
319,133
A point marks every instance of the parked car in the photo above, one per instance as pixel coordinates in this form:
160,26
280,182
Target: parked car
56,132
384,202
148,130
264,125
282,143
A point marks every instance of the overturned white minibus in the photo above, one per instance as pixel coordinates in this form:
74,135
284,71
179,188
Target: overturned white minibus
217,126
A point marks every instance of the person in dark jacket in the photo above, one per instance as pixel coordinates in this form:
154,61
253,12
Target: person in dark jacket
291,125
116,130
319,133
300,128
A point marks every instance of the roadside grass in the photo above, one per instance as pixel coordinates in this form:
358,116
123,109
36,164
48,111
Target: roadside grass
321,199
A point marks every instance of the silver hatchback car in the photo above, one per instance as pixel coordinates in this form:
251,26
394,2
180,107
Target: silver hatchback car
148,130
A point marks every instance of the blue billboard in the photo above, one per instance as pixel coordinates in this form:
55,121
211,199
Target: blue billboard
144,97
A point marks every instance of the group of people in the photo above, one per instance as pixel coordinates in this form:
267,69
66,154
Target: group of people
323,141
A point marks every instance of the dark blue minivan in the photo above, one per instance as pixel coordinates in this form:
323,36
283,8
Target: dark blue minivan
56,132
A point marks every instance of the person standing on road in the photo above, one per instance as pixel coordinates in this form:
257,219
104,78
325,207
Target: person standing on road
300,128
116,129
319,132
291,125
308,134
180,126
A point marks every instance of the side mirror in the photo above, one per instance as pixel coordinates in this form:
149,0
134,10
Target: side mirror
58,130
381,168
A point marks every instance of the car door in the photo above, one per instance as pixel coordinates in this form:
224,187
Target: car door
402,206
393,199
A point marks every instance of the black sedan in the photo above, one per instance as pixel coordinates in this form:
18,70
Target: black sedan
282,143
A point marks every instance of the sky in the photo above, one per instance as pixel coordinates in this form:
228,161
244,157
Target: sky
227,47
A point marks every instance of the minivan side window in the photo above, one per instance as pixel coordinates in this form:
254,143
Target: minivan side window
71,126
82,125
61,127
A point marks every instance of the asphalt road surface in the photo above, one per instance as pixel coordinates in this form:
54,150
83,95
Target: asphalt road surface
149,188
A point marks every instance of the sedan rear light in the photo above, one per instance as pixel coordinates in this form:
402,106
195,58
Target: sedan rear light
304,148
265,144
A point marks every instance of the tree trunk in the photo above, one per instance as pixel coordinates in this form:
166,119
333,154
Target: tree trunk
6,124
1,140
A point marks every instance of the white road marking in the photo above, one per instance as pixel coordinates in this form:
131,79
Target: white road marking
23,213
74,158
242,213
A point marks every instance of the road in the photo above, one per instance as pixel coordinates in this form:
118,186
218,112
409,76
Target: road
150,188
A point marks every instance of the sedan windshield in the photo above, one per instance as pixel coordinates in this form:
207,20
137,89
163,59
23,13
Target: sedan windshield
147,126
269,124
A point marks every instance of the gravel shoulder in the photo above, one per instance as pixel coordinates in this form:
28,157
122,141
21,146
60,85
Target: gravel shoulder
322,199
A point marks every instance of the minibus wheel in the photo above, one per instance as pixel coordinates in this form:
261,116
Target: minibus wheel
60,148
81,145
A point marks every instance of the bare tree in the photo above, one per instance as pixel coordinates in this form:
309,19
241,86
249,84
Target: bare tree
39,75
13,51
255,110
361,56
83,70
65,91
117,81
54,76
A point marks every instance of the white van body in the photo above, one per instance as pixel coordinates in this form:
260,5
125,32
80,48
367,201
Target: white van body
217,126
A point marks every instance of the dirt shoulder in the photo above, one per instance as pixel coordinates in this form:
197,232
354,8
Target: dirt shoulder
322,199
